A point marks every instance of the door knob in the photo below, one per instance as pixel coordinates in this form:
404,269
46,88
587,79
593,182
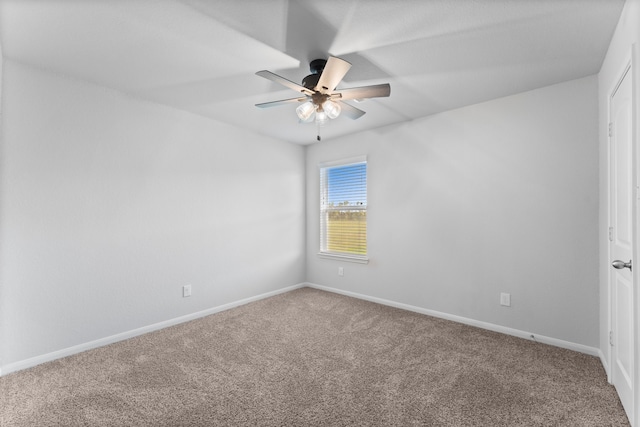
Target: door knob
621,264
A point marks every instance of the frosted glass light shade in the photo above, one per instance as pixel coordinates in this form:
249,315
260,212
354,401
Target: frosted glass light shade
304,111
321,117
332,109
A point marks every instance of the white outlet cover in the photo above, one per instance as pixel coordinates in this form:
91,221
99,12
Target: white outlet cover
505,299
186,291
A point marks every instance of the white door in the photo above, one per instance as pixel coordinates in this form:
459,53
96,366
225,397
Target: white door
622,211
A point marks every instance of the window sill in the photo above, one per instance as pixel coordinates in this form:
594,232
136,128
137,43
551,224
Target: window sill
360,259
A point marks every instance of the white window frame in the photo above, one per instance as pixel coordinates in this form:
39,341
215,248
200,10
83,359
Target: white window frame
363,259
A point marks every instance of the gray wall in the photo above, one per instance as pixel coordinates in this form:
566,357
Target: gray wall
109,205
496,197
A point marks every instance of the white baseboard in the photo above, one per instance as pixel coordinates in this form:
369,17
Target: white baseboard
605,364
593,351
34,361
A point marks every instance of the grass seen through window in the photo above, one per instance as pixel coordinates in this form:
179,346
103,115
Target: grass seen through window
347,232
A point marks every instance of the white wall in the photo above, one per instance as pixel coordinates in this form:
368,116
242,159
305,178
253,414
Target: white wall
109,205
627,33
496,197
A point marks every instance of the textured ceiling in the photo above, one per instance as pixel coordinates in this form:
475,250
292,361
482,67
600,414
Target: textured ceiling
201,55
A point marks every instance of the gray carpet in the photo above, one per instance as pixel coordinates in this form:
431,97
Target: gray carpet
313,358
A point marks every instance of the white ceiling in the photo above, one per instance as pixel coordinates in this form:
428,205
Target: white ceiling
201,55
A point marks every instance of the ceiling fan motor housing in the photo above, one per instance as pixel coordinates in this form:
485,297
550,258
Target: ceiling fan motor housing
311,81
316,67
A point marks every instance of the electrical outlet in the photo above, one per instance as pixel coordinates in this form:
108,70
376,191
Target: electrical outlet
186,291
505,299
340,271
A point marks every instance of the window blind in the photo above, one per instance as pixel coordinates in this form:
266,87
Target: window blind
343,209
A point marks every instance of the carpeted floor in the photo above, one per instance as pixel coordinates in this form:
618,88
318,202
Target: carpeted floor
312,358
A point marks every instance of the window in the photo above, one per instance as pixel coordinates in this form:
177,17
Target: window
343,209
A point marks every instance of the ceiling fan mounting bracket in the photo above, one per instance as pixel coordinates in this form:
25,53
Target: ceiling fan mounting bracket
317,65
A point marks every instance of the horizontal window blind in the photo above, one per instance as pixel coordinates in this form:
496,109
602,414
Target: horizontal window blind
343,209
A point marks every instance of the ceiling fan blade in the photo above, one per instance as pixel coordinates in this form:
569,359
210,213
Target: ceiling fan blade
334,71
281,102
374,91
351,111
288,83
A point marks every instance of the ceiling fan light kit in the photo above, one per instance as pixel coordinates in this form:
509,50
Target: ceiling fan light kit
305,111
321,100
332,109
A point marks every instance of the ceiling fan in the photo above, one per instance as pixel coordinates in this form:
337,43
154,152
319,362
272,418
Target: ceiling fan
321,100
